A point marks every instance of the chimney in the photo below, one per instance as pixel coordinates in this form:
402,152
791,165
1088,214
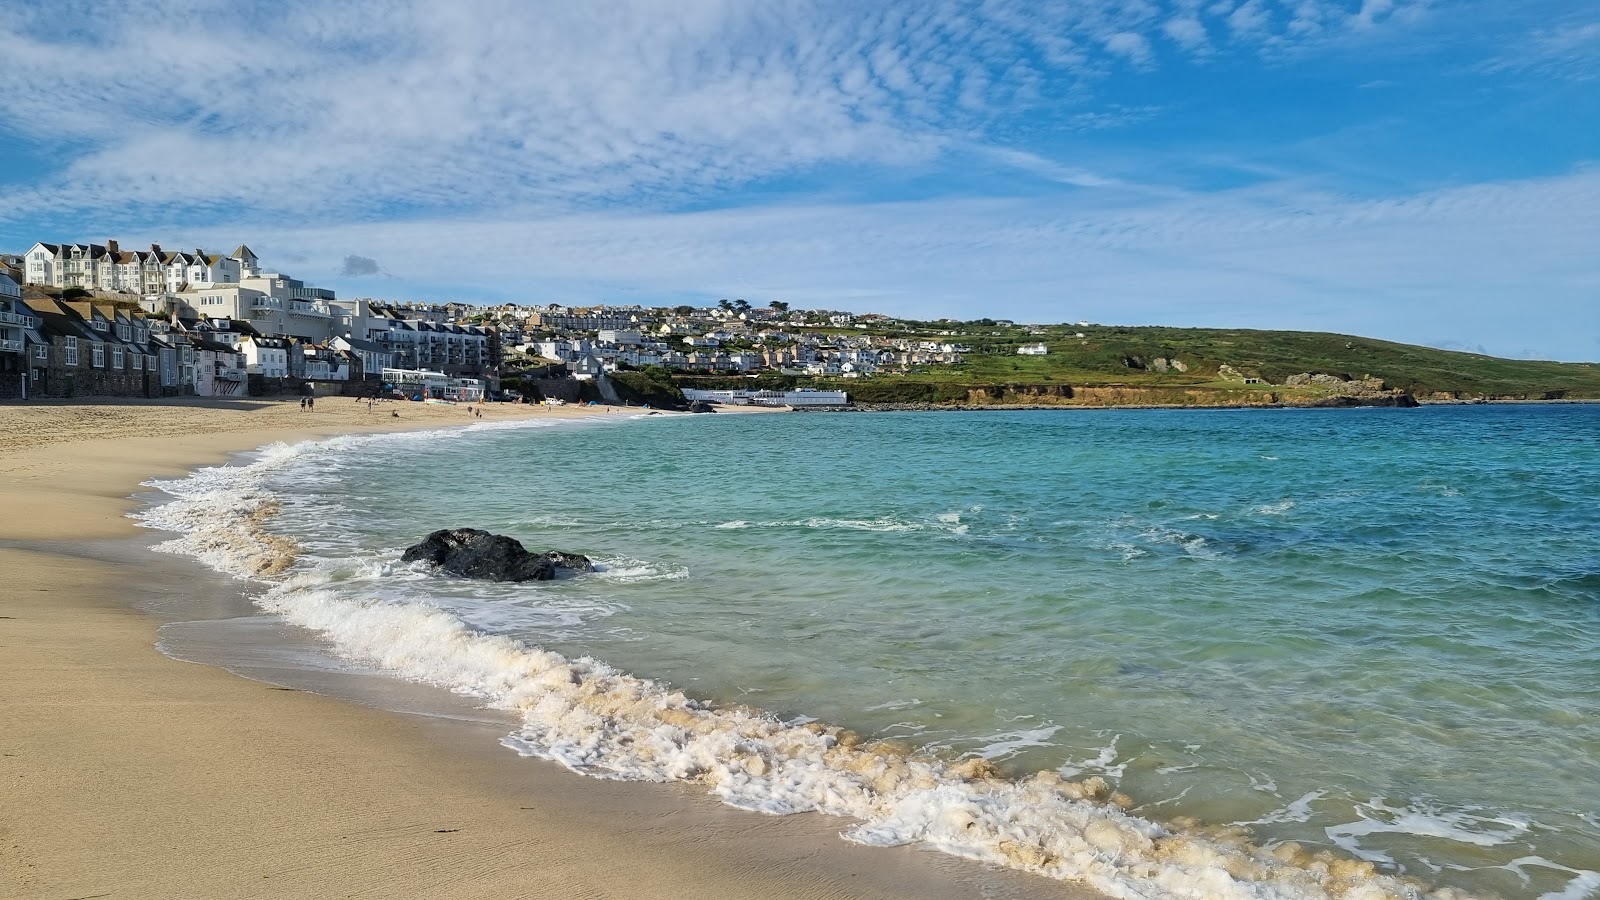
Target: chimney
112,246
156,249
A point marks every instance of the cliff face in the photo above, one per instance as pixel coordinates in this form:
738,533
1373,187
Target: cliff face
1363,394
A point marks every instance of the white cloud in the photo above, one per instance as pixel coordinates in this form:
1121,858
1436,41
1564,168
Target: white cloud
1187,31
1464,261
1130,45
1569,51
1251,20
344,107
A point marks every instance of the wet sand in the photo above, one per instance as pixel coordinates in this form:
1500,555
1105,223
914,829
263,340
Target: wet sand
126,773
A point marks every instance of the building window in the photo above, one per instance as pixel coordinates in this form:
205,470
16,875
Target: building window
72,351
97,354
137,359
116,358
98,324
41,353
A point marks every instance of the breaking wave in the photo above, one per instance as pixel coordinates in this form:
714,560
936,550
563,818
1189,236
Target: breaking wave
597,720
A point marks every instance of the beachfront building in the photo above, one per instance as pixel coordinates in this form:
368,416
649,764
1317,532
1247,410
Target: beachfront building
219,369
417,338
804,397
423,384
275,304
371,357
81,349
265,356
16,321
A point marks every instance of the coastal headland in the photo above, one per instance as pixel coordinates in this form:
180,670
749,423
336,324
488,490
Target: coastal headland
128,773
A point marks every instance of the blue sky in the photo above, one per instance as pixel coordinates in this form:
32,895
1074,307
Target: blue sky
1418,170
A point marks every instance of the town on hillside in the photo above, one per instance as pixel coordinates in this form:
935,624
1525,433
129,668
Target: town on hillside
98,320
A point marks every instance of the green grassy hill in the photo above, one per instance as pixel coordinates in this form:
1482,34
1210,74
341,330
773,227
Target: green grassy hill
1160,357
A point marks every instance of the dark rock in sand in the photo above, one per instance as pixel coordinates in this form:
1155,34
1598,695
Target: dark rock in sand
472,553
700,406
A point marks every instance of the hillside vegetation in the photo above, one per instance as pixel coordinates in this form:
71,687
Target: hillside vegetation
1194,361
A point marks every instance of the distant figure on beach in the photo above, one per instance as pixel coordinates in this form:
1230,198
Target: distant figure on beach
311,403
302,403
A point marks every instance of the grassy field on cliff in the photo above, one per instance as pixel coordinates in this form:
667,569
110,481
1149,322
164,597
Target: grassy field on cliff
1132,355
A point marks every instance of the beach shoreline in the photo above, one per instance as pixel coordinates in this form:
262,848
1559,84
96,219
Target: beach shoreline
130,773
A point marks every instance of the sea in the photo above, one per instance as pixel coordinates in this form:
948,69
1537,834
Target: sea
1169,653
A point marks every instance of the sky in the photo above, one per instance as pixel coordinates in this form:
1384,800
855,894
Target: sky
1425,171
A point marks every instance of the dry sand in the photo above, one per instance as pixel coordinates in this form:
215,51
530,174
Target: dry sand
127,774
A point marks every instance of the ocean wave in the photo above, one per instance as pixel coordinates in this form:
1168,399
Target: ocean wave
632,571
606,723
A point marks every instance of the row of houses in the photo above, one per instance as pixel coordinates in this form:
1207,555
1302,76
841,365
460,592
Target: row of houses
107,267
86,347
278,326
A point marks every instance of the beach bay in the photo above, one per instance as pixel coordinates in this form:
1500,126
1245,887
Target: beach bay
127,773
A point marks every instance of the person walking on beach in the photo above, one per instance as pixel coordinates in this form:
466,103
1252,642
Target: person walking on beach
302,403
311,403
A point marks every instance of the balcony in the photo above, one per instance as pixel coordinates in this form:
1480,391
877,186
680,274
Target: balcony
22,321
10,346
302,308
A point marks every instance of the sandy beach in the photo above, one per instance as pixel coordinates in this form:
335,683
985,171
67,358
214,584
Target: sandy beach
125,773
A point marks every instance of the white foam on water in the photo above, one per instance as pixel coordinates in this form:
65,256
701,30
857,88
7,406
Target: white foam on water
1274,509
1103,763
632,571
1585,883
1009,744
880,524
1265,783
606,723
1298,811
1462,826
895,705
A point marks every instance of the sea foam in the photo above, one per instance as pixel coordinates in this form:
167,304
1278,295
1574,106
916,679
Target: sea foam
603,722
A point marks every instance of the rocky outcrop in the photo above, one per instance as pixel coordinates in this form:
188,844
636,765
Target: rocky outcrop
472,553
700,406
1338,390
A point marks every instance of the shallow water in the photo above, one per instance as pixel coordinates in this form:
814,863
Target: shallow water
1367,631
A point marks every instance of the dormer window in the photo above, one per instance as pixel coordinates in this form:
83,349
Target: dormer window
99,325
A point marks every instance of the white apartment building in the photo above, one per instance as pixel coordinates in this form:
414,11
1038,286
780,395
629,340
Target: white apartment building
107,267
265,356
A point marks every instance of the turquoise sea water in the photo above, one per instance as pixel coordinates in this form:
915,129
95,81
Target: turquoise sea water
1375,632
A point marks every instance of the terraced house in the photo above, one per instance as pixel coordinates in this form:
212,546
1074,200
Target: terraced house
107,267
15,324
84,349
